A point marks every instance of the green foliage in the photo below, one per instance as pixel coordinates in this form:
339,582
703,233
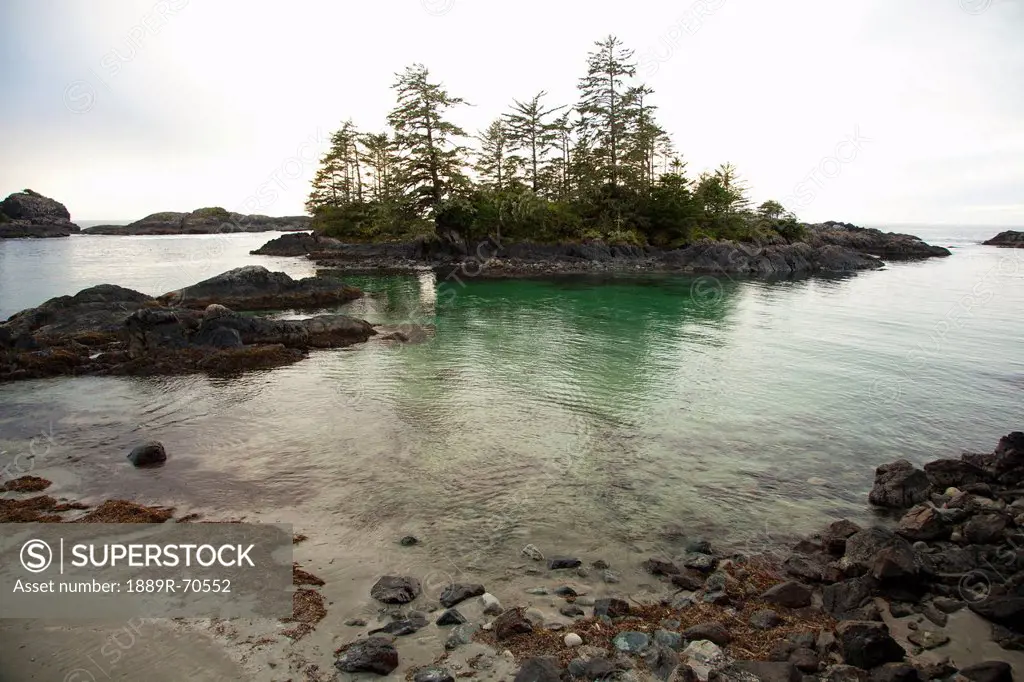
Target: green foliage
213,212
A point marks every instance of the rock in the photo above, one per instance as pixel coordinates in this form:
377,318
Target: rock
900,609
953,473
804,659
844,673
600,564
947,604
1009,238
610,577
834,538
701,562
355,622
531,552
703,656
571,610
572,639
433,675
565,591
984,529
922,522
253,287
148,454
535,616
538,591
656,566
539,670
632,642
887,245
894,562
392,589
899,485
460,635
807,567
212,220
451,617
765,619
767,671
895,672
667,638
927,639
557,563
372,655
844,599
1000,607
492,607
865,552
405,626
596,668
790,594
511,623
611,607
30,214
989,671
867,644
933,614
460,592
711,632
408,541
661,661
688,580
1007,638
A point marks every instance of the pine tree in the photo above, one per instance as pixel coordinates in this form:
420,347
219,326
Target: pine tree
532,132
431,158
379,160
338,181
604,102
643,136
734,186
494,162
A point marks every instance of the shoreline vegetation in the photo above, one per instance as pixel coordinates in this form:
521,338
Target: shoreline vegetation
901,601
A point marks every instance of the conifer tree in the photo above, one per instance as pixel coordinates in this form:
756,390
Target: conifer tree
604,102
531,132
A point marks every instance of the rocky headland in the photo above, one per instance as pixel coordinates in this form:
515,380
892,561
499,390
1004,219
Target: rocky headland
30,214
828,248
108,329
1010,238
203,221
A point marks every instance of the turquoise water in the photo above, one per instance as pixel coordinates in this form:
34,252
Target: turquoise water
619,413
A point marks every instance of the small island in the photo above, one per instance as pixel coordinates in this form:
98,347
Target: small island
1009,238
30,214
203,221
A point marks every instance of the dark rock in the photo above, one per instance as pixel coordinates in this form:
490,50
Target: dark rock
557,563
405,626
30,214
989,671
937,670
1009,238
765,619
804,659
895,672
601,565
928,639
934,615
392,589
297,244
571,610
867,644
900,609
899,485
887,245
894,562
806,567
667,638
433,675
790,594
656,566
372,655
712,632
767,671
355,622
148,454
511,623
843,600
985,529
922,522
253,287
408,541
597,668
460,592
844,673
565,591
704,563
947,604
699,546
661,661
632,642
1000,607
1007,638
451,617
212,220
611,607
539,670
834,538
953,473
688,580
460,634
782,651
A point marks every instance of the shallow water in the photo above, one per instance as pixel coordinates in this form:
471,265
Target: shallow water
611,415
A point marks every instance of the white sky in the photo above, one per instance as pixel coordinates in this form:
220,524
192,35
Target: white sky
216,96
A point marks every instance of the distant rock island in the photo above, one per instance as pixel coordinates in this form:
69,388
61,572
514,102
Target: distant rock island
204,221
1009,238
30,214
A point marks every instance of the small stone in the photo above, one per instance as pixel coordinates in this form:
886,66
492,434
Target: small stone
492,607
989,671
790,594
572,639
948,605
765,619
656,566
583,571
667,638
712,632
392,589
409,541
433,675
451,617
561,562
928,639
373,655
535,616
511,623
537,591
700,562
632,642
900,609
531,552
460,635
151,453
460,592
610,577
611,607
571,610
565,591
355,622
600,564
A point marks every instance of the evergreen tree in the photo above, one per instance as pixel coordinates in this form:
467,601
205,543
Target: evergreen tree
431,158
531,132
604,102
380,162
494,162
338,181
734,186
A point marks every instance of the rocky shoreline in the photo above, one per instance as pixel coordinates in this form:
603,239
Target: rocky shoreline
30,214
1009,238
828,248
110,330
203,221
908,602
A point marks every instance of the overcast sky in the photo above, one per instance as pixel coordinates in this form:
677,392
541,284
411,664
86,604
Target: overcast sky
870,111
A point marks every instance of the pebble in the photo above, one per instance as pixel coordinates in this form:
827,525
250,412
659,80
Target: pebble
355,622
565,591
585,601
539,591
409,541
631,641
492,607
531,552
600,564
572,639
610,577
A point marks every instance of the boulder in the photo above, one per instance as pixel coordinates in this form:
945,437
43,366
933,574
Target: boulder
459,592
953,473
611,607
656,566
512,622
988,671
433,675
790,594
765,619
867,644
711,632
372,655
148,454
985,529
541,669
843,600
451,617
834,537
899,485
30,214
1010,238
560,562
393,589
923,522
253,287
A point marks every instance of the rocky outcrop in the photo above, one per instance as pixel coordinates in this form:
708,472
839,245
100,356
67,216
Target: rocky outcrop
888,245
781,260
255,288
112,330
203,221
298,244
30,214
1009,238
